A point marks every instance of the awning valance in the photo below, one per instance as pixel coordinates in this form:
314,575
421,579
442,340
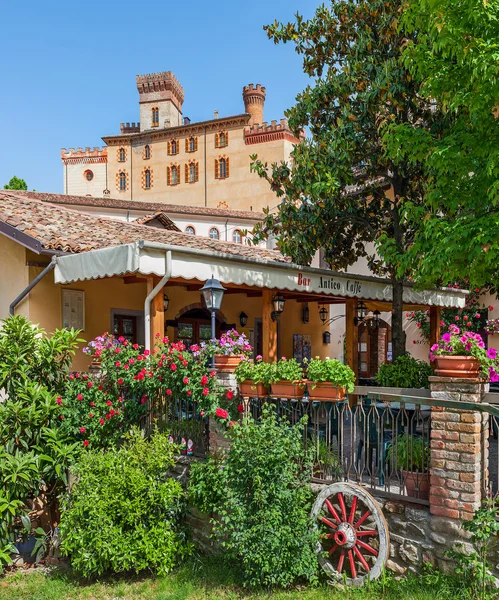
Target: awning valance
143,258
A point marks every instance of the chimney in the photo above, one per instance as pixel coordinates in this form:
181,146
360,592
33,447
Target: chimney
187,121
215,114
254,100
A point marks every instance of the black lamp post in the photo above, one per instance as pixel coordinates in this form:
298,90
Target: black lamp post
278,302
213,293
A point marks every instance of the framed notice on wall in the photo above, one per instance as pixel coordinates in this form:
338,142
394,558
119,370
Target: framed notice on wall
73,309
302,347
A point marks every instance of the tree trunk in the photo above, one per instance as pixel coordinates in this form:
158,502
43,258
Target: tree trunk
398,333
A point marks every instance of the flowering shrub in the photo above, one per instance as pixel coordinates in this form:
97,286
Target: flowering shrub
332,371
254,370
286,370
406,372
230,343
457,343
98,410
492,326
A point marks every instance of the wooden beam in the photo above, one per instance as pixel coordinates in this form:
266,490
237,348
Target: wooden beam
434,325
352,337
157,312
134,279
269,328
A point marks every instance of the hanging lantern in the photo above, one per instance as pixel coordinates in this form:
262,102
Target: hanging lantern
305,315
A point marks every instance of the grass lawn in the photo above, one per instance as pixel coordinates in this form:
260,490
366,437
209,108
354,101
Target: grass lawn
209,581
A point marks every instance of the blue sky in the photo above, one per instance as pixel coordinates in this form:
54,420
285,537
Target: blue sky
68,69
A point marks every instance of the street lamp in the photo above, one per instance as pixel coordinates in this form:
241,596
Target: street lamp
213,292
323,313
361,309
278,302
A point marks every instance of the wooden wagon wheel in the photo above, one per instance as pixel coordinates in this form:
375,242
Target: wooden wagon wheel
354,534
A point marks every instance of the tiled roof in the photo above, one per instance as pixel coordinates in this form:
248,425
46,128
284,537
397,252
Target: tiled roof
67,230
149,207
160,216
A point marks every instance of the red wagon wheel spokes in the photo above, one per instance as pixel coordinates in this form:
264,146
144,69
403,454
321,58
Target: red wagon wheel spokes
354,535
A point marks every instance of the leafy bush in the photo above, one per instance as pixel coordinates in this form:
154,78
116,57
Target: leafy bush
286,369
409,453
123,512
259,494
254,370
405,372
332,371
34,453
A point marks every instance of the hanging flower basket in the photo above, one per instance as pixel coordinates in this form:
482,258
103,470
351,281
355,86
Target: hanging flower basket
467,367
288,389
325,391
227,362
250,389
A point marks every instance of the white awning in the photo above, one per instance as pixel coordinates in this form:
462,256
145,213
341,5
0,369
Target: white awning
146,258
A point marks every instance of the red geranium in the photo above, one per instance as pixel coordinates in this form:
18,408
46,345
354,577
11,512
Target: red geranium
230,395
222,413
83,430
204,380
85,443
240,408
206,391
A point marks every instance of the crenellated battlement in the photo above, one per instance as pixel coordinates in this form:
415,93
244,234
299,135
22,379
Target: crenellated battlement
84,156
259,133
254,88
165,83
129,128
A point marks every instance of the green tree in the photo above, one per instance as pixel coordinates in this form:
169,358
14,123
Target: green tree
16,184
341,193
452,50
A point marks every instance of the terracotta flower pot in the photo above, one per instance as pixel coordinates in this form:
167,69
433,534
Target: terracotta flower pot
227,364
250,389
417,485
325,391
466,367
288,389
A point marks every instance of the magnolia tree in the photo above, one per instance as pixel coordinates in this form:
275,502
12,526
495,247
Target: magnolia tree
99,409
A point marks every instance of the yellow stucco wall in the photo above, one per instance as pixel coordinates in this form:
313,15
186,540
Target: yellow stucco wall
13,276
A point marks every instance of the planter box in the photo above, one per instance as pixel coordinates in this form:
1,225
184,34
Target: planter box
287,389
325,391
417,485
251,389
228,363
466,367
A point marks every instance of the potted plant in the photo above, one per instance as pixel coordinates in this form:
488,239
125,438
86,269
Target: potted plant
329,379
405,372
463,354
286,379
228,350
253,377
327,463
412,456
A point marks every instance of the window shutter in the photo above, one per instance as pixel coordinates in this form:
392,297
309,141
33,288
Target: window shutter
186,172
187,144
217,140
197,171
168,176
169,147
226,138
216,168
195,144
227,167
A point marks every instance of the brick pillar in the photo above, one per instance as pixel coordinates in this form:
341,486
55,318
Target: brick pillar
458,448
217,439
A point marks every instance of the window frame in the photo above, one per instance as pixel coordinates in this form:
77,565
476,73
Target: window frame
213,228
241,236
147,152
122,176
190,227
155,116
121,154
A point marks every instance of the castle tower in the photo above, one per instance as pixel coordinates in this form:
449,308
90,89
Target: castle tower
161,99
254,100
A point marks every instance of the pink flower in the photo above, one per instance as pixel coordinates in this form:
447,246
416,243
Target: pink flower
221,413
71,376
465,318
165,340
206,391
131,361
456,318
230,395
120,381
185,380
185,363
157,335
259,357
91,415
173,367
477,315
232,423
446,337
109,403
117,364
492,353
111,412
213,373
240,408
101,421
491,307
135,346
83,430
146,352
204,380
92,403
85,443
59,401
168,392
189,393
418,325
61,417
126,367
80,397
90,384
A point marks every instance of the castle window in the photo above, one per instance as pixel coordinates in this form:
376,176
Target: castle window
147,152
121,155
191,172
221,168
147,179
173,175
88,175
191,144
172,147
237,236
190,230
122,181
155,116
221,139
214,233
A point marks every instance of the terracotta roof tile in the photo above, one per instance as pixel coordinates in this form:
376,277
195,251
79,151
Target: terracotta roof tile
149,207
67,230
160,216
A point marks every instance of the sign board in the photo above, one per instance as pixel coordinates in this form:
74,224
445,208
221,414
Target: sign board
73,309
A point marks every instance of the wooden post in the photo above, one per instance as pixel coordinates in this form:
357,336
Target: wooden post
269,328
434,325
352,337
157,312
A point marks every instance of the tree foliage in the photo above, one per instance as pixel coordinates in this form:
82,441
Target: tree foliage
16,184
452,50
342,193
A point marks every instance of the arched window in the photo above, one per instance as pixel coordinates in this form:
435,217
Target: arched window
190,230
174,177
89,175
147,179
174,147
214,233
122,179
237,237
223,140
192,145
192,172
222,168
155,116
147,152
122,155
